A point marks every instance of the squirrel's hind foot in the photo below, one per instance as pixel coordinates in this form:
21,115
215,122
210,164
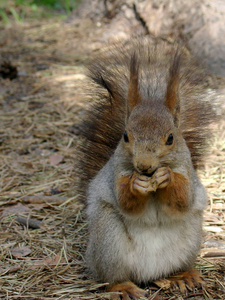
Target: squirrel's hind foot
187,281
127,291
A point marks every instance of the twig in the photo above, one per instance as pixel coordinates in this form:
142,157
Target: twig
213,252
193,295
37,199
43,199
30,223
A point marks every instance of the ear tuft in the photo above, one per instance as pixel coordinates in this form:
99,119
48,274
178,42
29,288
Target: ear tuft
172,92
133,93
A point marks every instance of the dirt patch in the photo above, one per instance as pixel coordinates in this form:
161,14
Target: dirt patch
40,112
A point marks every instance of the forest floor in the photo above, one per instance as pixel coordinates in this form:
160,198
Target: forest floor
43,232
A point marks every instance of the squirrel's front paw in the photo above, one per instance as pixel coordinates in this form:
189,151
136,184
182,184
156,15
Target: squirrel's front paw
161,178
142,184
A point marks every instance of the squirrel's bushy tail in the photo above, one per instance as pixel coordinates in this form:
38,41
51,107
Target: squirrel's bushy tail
104,123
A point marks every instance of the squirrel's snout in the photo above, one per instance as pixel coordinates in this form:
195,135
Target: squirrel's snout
145,170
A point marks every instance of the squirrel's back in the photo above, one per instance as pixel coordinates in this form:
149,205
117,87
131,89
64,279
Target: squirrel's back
104,123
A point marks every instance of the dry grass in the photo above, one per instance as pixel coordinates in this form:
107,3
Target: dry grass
39,114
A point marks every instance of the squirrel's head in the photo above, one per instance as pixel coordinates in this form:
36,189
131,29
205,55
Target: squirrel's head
152,134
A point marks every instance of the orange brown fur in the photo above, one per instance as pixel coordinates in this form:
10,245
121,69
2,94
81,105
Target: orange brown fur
113,89
173,85
175,195
130,201
127,289
190,278
133,93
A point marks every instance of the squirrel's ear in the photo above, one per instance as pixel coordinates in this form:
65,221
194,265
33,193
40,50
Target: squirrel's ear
133,93
172,92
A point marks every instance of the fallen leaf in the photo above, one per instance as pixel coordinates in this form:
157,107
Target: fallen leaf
38,206
19,252
55,159
48,262
10,269
22,165
17,209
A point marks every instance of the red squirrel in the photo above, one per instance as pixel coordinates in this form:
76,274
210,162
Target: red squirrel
145,135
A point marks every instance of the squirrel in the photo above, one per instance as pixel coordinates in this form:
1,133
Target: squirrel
146,134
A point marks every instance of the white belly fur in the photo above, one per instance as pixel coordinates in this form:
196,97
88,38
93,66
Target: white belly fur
159,251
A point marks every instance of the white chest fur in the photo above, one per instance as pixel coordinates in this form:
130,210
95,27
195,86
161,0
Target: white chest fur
158,251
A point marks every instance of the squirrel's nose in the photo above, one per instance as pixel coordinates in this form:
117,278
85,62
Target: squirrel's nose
147,172
143,168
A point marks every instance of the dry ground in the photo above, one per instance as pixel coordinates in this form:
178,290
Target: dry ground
40,110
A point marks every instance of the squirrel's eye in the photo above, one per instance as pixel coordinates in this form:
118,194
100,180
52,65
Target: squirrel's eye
169,140
125,136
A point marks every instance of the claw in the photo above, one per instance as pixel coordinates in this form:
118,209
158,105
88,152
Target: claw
187,281
128,291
